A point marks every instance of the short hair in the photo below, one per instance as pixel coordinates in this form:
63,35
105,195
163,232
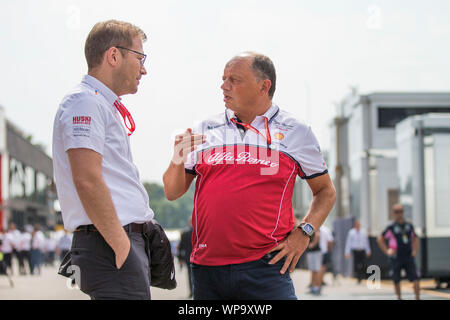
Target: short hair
262,67
107,34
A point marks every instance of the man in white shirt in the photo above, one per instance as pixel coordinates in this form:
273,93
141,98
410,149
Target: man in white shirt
37,249
358,244
24,251
8,247
64,244
102,199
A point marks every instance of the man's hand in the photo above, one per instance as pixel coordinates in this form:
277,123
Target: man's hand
292,247
185,143
390,252
122,253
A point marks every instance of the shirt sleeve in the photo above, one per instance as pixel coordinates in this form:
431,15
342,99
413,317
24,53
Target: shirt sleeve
83,124
308,155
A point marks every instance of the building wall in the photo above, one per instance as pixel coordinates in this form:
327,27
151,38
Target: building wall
26,179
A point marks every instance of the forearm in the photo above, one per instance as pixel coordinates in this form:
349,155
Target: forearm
98,204
174,180
382,245
415,246
321,205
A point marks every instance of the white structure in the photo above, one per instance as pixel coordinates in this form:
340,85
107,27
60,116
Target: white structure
424,183
363,162
363,157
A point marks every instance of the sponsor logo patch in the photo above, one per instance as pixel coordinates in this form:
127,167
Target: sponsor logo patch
81,120
279,136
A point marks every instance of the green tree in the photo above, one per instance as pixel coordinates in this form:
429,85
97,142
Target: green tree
170,214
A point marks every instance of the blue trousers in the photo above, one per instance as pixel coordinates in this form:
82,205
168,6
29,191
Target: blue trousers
255,280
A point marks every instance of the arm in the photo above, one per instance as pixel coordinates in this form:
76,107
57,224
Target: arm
324,196
382,245
347,246
86,166
176,180
415,246
367,246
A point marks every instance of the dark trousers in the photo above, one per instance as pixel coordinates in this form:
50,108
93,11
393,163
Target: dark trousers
359,264
24,256
408,264
7,258
255,280
95,261
189,270
35,261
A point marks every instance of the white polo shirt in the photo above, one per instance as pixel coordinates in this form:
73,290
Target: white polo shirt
87,118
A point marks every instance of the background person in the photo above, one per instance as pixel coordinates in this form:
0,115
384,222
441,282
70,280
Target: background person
64,244
326,246
184,252
402,248
314,258
357,244
37,250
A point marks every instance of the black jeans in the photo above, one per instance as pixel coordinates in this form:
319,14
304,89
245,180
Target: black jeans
99,277
255,280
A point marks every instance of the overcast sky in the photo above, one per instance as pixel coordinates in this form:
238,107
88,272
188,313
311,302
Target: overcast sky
319,48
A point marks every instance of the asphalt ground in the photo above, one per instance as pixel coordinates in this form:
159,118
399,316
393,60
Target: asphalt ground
51,286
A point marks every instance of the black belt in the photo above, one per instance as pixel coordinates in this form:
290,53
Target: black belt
132,227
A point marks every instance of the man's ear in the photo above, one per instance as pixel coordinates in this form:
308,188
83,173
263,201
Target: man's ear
266,85
113,56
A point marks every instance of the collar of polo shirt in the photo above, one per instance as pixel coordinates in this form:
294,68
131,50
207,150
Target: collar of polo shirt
96,84
270,114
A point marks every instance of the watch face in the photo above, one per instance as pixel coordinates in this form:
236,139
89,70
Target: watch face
308,228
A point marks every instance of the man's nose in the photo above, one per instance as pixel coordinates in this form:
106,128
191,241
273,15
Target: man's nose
143,70
225,86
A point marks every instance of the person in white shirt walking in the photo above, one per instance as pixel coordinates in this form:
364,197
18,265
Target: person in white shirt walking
37,247
24,250
358,245
64,244
9,246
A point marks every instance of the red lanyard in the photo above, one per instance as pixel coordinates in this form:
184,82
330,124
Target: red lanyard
249,127
125,115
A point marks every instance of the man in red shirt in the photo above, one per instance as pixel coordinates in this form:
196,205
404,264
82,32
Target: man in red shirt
246,161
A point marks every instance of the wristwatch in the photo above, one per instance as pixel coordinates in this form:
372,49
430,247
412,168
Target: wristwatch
306,228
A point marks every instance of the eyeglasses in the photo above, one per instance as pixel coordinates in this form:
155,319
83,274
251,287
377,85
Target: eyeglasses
398,211
137,52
